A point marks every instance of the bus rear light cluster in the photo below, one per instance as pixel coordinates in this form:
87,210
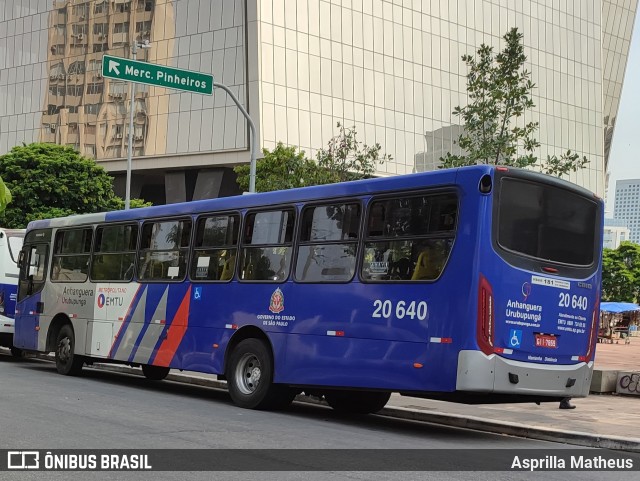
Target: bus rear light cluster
486,317
593,332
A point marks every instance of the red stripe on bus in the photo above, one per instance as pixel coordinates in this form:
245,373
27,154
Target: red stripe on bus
175,333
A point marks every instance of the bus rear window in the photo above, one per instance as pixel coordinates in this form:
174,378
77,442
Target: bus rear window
547,222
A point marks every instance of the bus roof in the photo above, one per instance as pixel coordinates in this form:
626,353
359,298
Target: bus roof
304,194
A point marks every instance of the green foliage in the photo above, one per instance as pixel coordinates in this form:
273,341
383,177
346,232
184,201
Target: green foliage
621,273
49,180
5,195
282,168
345,158
500,93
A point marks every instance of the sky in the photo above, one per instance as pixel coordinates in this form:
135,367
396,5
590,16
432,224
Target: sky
624,158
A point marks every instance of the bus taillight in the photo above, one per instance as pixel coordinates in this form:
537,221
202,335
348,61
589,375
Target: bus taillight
485,316
593,334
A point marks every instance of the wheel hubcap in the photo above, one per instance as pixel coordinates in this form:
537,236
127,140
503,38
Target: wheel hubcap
248,373
64,350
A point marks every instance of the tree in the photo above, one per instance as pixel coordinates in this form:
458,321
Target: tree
621,273
49,180
345,158
5,195
500,93
280,169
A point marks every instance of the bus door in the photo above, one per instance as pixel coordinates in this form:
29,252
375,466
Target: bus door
33,268
10,247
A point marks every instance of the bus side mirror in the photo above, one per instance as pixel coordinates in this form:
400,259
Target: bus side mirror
20,259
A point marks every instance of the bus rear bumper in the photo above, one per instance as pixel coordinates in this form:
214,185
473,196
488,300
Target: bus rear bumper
478,372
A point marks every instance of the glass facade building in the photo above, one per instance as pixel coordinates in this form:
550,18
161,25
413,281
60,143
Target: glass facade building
627,206
392,69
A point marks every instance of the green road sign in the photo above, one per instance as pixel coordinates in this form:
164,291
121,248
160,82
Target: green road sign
159,75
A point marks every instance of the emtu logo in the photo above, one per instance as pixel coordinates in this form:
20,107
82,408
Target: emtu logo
101,300
23,460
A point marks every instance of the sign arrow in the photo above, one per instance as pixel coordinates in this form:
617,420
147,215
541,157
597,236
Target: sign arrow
113,66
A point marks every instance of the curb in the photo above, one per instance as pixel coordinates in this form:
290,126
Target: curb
454,420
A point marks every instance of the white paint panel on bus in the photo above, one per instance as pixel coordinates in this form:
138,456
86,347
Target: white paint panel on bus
101,339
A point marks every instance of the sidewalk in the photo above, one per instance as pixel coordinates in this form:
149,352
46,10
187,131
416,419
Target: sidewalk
600,420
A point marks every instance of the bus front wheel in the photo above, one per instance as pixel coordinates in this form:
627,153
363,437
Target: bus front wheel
16,352
250,378
154,373
357,402
67,361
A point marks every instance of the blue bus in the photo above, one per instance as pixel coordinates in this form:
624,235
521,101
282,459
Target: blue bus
478,284
10,246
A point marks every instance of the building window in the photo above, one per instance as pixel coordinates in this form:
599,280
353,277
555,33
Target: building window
92,109
75,90
123,7
90,129
90,151
79,29
121,27
95,88
100,47
80,10
100,28
77,68
101,8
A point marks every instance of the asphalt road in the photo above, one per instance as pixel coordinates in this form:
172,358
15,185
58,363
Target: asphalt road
40,409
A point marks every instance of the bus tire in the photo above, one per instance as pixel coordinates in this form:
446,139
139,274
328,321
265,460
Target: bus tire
155,373
67,361
16,352
357,402
250,378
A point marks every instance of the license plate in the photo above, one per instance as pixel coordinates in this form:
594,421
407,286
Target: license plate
543,340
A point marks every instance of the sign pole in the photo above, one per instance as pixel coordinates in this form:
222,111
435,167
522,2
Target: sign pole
127,199
254,145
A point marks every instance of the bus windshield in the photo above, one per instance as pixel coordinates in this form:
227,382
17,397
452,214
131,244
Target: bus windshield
546,222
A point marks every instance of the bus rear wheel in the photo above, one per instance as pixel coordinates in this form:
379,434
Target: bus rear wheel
250,378
155,373
357,402
67,361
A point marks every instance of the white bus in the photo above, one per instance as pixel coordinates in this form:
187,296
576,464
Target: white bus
10,245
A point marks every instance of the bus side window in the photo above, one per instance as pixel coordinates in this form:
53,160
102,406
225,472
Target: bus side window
409,238
267,246
215,248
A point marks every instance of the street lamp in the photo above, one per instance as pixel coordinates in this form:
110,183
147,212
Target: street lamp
134,54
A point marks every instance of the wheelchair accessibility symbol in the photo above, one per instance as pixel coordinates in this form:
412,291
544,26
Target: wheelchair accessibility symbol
515,338
197,293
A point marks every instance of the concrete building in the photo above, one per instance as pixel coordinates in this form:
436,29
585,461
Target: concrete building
615,232
627,206
391,68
